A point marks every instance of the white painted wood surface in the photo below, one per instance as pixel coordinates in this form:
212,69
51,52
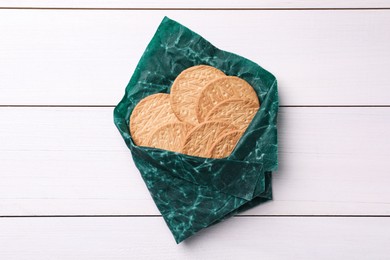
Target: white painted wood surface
52,57
236,238
71,161
216,4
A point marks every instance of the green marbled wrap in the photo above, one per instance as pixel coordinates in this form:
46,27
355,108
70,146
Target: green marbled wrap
193,193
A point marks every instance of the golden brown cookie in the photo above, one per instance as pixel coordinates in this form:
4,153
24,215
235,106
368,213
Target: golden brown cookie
200,139
186,88
148,115
234,111
221,89
169,136
225,144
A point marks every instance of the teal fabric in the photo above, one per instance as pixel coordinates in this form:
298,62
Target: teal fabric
193,193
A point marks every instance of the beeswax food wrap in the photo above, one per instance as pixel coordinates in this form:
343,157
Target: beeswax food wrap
191,192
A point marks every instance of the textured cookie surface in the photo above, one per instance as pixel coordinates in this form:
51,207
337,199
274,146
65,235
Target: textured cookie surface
186,88
234,111
148,115
225,144
169,136
221,89
201,138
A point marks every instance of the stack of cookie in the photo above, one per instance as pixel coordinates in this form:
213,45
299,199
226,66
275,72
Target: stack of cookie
205,114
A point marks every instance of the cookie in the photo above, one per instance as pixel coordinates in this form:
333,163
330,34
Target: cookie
201,138
234,111
169,136
186,88
148,115
225,144
221,89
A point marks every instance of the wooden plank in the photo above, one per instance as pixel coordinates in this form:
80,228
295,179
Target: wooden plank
236,238
87,57
72,161
196,4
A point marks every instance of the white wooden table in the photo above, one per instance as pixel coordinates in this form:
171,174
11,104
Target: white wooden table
69,188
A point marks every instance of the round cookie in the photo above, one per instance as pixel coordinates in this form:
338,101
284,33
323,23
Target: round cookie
186,88
225,144
234,111
148,114
200,139
221,89
170,136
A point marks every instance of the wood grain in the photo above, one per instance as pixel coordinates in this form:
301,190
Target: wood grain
72,161
63,57
236,238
